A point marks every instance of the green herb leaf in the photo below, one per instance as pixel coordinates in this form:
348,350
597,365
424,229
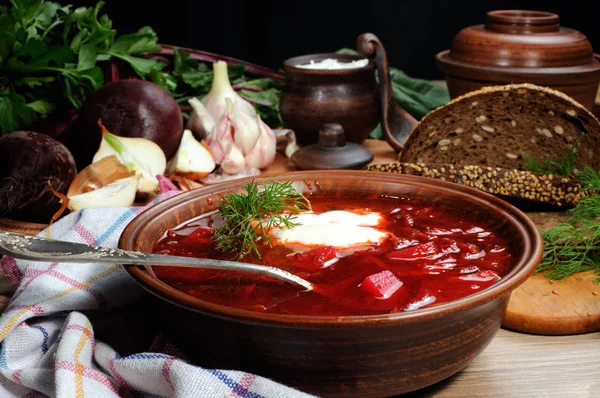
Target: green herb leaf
14,112
183,62
87,57
564,166
267,105
248,217
574,245
200,80
142,66
417,96
41,106
142,42
35,81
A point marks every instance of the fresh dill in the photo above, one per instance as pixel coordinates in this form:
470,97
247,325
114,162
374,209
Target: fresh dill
564,166
249,216
574,245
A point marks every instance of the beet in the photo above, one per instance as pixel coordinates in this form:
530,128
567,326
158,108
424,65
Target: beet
28,160
128,108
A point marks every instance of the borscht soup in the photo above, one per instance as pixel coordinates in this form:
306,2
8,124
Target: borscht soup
364,255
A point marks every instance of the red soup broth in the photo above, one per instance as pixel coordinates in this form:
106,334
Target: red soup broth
435,255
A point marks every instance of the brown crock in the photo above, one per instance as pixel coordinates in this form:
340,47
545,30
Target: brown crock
519,46
314,97
354,356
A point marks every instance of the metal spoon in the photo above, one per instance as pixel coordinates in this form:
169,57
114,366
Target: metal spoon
41,249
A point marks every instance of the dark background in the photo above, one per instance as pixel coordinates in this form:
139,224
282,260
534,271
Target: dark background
267,32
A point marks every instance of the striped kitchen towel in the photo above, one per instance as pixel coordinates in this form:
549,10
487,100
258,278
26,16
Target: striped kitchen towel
47,342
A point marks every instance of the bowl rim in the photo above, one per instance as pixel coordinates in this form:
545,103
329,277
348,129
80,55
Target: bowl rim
532,239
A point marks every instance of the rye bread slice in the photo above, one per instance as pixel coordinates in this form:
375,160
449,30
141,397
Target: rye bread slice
509,184
499,126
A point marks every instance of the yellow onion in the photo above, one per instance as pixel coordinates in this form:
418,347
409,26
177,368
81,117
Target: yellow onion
88,187
140,155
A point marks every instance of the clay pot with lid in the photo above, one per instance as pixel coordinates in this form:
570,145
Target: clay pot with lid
516,46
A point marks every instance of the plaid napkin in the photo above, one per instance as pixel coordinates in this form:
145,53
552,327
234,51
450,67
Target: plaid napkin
48,346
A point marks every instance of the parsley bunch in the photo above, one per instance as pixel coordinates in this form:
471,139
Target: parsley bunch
50,58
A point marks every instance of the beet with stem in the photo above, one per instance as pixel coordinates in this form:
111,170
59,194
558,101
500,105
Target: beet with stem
28,161
127,108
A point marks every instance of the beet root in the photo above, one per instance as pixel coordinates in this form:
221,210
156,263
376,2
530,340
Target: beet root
28,161
127,108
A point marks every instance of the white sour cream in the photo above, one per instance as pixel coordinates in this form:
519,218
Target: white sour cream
330,63
340,229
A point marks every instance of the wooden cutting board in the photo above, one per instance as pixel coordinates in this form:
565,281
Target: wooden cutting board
560,307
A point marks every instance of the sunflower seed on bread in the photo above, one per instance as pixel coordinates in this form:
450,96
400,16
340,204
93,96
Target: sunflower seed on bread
506,183
500,126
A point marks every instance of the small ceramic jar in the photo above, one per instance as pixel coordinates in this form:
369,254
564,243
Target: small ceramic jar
515,46
314,97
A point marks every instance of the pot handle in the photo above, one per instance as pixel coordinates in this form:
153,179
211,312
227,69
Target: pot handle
597,56
396,123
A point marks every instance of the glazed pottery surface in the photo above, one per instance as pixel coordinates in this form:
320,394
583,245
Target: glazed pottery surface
376,355
314,97
517,46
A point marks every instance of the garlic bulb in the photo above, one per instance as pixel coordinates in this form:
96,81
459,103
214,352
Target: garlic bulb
221,89
201,122
264,151
192,159
140,155
234,160
118,193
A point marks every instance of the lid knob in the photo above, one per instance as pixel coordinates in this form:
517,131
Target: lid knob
332,135
522,21
331,152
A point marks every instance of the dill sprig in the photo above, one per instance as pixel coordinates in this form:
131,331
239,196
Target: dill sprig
574,245
564,166
248,217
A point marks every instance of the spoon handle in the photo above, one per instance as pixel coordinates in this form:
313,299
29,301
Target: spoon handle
41,249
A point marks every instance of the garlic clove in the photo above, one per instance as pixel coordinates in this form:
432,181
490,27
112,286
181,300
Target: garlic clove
221,89
245,130
221,136
201,122
192,160
234,160
116,194
140,155
286,141
214,145
263,153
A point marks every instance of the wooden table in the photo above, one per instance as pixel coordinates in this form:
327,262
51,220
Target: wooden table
513,365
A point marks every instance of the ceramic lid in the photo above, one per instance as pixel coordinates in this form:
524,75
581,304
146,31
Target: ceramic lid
331,152
520,42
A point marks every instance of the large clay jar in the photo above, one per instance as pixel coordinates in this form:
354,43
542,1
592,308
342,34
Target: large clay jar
515,46
312,98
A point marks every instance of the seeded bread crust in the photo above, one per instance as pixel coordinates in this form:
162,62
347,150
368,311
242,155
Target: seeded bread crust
499,126
506,183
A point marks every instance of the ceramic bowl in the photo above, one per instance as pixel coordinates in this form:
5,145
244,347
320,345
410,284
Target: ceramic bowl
375,355
518,46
